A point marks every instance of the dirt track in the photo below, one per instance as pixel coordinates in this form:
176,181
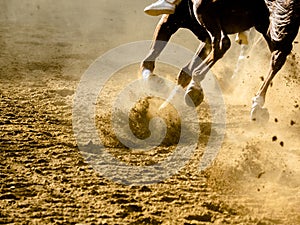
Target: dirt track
46,47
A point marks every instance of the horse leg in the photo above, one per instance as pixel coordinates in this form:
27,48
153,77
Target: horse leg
242,38
280,51
194,91
240,61
185,75
206,15
258,113
166,27
219,48
245,49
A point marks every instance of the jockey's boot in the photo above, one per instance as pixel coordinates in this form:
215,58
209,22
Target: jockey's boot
162,7
242,38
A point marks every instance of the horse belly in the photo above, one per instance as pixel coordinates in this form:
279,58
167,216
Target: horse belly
236,22
240,15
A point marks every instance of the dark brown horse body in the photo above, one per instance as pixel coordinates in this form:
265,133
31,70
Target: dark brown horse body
211,21
231,16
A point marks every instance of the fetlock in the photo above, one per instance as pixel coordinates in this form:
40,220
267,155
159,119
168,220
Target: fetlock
258,101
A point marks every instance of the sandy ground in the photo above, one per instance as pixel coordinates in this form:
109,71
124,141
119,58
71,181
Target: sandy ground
45,49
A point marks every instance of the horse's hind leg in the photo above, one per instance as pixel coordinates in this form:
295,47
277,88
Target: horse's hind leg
185,75
258,113
166,27
280,51
194,91
245,49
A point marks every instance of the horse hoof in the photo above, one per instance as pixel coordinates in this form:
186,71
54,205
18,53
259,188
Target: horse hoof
260,115
149,76
193,96
183,79
146,74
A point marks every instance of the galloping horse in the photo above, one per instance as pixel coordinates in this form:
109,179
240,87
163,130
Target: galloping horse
211,21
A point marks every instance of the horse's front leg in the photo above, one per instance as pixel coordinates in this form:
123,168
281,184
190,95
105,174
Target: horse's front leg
166,27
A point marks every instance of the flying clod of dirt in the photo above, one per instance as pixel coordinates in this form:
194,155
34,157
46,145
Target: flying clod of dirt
148,108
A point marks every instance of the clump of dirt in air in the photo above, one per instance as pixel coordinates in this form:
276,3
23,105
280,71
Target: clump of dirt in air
147,109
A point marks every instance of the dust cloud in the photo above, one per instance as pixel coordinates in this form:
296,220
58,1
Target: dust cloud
45,47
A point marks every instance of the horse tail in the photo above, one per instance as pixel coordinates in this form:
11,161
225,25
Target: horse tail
284,16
